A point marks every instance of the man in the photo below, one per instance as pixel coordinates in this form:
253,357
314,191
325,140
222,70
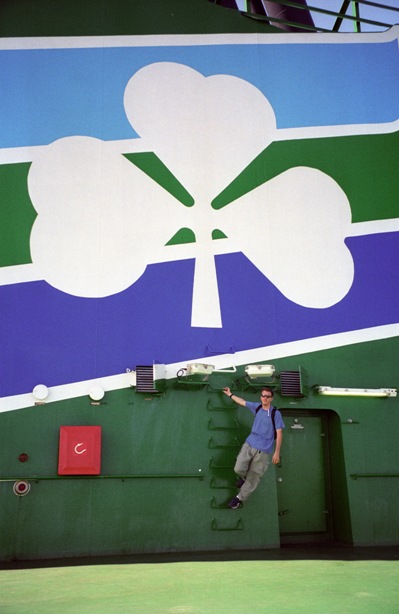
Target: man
254,456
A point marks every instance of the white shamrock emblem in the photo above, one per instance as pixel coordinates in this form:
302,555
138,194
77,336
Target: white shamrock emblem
101,220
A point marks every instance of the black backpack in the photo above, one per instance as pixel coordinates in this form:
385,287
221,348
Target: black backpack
273,414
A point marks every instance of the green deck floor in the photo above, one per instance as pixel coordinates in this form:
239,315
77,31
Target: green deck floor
285,581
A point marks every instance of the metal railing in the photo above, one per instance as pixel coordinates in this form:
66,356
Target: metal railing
259,12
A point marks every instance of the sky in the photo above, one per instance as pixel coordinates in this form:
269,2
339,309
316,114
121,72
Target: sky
366,12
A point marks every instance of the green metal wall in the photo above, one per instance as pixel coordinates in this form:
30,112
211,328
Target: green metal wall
166,490
167,467
108,17
167,460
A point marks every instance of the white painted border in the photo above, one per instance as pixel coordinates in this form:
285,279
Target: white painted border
18,155
222,361
179,40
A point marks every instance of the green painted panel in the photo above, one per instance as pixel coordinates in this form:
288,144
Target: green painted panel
186,430
301,477
151,441
375,510
184,235
17,215
150,164
364,166
107,17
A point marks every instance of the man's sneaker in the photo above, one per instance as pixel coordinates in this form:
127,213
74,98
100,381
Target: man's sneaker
235,503
240,482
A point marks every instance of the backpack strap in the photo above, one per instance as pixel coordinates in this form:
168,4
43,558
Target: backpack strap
274,409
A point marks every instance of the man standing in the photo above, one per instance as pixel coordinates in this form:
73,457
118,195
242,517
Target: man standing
254,456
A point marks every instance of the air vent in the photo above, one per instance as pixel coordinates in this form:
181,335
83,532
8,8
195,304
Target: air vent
145,379
292,384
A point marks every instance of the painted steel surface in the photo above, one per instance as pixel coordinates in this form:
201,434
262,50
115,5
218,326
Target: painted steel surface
105,239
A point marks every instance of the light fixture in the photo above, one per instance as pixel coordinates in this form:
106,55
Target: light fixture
255,371
40,393
96,393
195,374
199,368
356,392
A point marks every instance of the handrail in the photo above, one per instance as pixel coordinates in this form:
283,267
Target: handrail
355,476
340,15
144,476
268,19
318,9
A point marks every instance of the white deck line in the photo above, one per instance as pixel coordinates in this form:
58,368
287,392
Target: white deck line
222,361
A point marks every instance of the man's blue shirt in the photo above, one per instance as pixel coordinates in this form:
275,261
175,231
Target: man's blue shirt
262,433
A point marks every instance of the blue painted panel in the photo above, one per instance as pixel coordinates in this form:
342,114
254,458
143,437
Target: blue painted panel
59,338
48,94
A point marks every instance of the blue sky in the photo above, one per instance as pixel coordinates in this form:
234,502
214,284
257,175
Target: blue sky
366,12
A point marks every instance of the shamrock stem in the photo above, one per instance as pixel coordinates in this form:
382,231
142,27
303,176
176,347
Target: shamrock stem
206,305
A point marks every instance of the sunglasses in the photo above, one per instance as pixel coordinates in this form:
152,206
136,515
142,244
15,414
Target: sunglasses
268,396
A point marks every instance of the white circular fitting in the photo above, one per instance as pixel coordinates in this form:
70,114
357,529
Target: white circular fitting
21,488
40,392
96,393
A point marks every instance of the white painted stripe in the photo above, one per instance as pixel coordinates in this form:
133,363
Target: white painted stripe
179,40
69,391
18,155
222,361
360,229
205,303
19,273
323,132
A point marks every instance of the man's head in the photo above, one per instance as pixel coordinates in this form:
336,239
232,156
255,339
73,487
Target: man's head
266,395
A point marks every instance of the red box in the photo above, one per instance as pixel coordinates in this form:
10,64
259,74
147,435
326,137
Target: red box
80,450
